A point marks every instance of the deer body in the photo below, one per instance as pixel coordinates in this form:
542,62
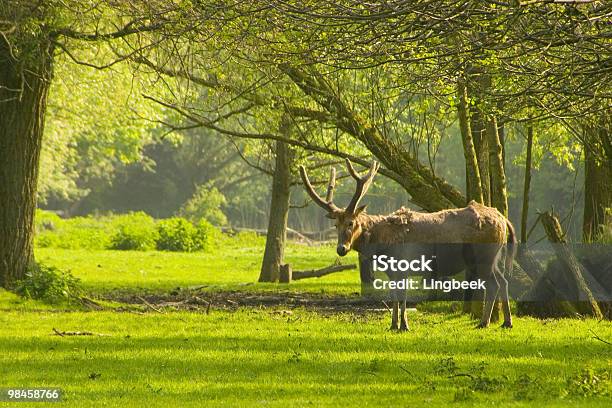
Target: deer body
475,223
478,234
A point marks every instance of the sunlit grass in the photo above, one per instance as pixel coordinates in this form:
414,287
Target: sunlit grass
273,357
263,357
234,268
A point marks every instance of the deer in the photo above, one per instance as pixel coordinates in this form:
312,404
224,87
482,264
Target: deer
472,238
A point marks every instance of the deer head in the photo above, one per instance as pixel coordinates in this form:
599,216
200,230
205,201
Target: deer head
347,225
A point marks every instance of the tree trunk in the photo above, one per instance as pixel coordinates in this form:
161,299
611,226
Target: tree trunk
585,302
499,197
24,85
472,172
478,84
526,186
597,189
279,210
501,130
481,147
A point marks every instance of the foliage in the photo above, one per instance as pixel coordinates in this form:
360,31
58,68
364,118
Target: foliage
207,235
134,231
80,232
178,234
605,237
527,387
206,205
89,133
49,284
246,239
590,382
46,221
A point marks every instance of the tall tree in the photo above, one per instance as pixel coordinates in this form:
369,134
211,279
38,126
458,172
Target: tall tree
597,175
473,179
30,33
498,194
26,69
279,207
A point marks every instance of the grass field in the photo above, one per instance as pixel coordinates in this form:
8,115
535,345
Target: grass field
102,271
273,358
278,357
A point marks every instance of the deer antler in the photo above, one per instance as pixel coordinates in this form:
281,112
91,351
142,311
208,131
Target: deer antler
326,204
363,183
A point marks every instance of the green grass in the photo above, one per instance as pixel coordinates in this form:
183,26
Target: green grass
264,357
232,268
272,357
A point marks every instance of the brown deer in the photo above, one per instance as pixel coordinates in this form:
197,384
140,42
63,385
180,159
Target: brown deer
477,235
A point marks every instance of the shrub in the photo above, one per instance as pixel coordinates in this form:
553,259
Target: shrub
74,233
246,239
205,204
49,284
177,234
207,235
590,382
46,221
134,231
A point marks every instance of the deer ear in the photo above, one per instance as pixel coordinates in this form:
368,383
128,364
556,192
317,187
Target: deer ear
360,209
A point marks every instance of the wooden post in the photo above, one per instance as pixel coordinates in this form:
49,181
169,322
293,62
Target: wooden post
285,273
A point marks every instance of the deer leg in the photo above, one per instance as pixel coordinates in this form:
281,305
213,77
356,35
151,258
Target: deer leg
503,282
394,316
403,321
491,289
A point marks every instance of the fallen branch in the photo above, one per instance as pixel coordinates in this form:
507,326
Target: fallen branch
461,375
317,273
596,337
198,301
150,306
87,302
76,333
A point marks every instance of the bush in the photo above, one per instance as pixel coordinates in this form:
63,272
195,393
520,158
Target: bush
46,221
177,234
207,235
205,204
49,284
134,231
248,239
74,233
590,383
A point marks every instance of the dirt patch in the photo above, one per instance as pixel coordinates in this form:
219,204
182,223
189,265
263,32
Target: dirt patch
205,301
